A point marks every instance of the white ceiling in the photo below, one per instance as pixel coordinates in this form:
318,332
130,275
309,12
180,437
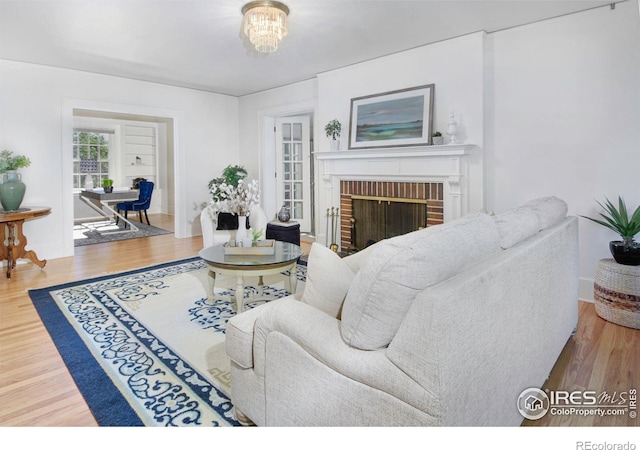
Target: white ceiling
198,43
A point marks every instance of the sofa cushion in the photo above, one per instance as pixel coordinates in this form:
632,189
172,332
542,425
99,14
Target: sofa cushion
551,210
400,267
328,280
517,225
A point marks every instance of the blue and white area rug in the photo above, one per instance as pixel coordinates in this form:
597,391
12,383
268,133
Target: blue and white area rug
146,348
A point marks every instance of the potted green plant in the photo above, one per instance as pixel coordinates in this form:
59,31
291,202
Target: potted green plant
219,190
626,251
231,175
332,130
12,188
437,138
9,161
107,185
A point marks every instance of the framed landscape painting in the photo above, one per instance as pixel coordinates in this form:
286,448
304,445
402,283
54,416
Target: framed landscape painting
392,119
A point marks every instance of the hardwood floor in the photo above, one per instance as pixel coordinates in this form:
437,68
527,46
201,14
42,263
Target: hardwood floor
37,390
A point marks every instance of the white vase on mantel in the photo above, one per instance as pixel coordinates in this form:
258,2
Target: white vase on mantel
335,145
241,233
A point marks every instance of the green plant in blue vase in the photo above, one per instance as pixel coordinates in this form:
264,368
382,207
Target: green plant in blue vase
9,161
618,219
12,188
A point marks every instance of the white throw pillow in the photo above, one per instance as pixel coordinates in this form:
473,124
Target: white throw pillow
551,210
358,259
517,225
328,280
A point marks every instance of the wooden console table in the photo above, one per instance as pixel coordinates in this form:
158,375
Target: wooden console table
13,241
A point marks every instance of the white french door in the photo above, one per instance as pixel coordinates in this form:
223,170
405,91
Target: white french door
293,170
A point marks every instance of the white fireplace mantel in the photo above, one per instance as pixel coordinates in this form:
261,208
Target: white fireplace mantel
459,167
428,151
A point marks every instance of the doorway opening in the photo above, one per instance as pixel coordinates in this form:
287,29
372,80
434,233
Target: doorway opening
288,167
127,148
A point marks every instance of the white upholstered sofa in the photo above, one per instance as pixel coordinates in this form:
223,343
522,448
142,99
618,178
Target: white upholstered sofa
443,326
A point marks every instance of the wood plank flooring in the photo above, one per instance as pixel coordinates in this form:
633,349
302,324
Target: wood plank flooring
37,390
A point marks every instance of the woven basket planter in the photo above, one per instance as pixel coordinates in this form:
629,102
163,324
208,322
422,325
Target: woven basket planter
617,293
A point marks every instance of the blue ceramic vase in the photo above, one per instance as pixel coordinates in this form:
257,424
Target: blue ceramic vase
12,190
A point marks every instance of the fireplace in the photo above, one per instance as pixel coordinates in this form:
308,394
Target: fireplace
426,185
376,210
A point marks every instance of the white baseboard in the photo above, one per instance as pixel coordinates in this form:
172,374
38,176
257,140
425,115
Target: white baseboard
586,289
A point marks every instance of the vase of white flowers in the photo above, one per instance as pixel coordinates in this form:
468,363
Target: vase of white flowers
239,199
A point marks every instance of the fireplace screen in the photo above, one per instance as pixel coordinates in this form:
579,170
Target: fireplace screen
374,220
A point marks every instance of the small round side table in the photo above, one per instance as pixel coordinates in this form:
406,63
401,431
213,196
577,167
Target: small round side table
616,292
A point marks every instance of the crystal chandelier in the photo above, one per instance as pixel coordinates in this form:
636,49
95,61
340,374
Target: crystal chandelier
265,24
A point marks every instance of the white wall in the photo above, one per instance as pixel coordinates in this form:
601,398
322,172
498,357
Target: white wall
567,119
36,116
455,67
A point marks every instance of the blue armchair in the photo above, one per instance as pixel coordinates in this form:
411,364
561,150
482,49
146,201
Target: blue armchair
140,205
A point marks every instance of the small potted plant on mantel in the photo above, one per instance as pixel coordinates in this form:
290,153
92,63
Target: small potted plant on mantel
626,251
333,129
107,185
437,138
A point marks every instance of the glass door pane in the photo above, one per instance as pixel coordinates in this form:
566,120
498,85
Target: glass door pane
293,168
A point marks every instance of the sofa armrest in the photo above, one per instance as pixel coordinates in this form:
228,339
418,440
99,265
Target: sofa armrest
319,338
239,336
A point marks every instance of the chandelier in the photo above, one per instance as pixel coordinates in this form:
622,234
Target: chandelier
265,24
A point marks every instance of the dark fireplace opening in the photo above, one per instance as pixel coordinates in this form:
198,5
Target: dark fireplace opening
374,220
386,209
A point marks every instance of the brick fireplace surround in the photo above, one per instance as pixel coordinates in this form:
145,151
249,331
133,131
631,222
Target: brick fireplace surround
432,193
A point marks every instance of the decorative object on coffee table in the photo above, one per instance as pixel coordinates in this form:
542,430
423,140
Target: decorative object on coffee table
616,293
626,251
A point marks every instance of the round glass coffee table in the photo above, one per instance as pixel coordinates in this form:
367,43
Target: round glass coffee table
284,258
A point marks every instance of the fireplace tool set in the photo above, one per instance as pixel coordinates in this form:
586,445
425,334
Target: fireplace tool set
334,215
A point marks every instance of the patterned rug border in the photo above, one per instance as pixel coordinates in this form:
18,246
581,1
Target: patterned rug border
108,405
